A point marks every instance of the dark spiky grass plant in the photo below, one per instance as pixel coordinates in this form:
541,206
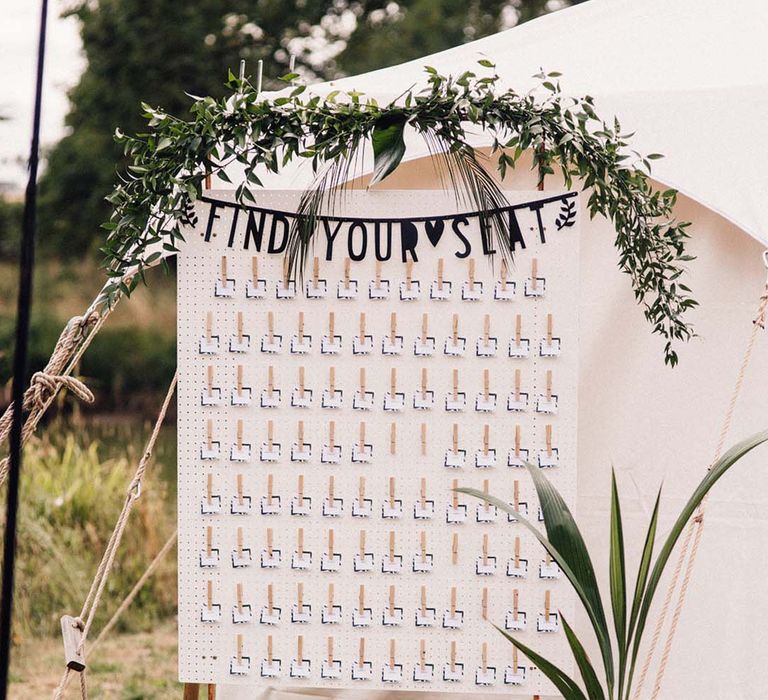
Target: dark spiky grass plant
619,646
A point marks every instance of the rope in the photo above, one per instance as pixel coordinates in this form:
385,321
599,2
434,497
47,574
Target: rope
696,526
93,598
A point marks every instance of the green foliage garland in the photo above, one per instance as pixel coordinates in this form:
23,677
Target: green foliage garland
152,203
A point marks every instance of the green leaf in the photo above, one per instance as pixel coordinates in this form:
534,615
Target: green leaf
587,670
388,144
567,687
618,579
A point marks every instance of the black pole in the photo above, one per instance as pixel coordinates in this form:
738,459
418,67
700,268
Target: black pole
26,264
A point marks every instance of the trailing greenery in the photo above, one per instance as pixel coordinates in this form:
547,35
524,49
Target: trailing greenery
152,204
566,546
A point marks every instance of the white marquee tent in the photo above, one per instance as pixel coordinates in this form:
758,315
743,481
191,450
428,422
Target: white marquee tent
689,77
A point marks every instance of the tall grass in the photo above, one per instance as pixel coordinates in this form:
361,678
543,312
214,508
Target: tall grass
70,500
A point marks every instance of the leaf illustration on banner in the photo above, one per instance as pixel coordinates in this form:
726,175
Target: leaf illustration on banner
567,215
388,145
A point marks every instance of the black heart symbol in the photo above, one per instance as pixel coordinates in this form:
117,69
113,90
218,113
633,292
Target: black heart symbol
434,231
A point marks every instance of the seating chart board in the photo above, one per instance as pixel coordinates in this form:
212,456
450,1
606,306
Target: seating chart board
324,422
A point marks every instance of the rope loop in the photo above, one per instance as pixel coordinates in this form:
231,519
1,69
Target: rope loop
44,385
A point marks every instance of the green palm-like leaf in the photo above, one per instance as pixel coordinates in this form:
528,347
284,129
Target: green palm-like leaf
618,579
587,670
567,687
388,144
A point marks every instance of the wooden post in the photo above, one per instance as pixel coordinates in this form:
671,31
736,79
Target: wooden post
191,691
211,691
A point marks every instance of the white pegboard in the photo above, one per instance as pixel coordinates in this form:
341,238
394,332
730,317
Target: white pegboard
209,634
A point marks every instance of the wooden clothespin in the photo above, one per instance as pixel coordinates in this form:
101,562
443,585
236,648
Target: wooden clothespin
440,264
423,545
453,602
300,648
547,604
392,328
485,549
486,383
517,385
393,438
423,601
361,652
514,664
300,489
209,489
286,271
377,282
486,329
518,330
423,493
209,595
504,272
455,329
391,545
549,329
517,441
549,385
300,329
408,274
269,542
455,548
300,434
484,657
330,650
315,273
534,274
486,438
239,434
361,599
423,383
485,603
392,654
301,382
392,382
486,504
254,270
209,541
239,380
270,435
223,269
548,438
269,648
362,327
300,596
362,544
330,596
209,326
270,599
455,384
424,327
517,552
422,654
453,656
331,548
331,488
391,601
270,327
209,434
471,275
516,495
331,433
239,648
239,537
347,263
455,493
361,444
423,439
455,438
270,380
361,490
239,596
239,325
270,486
332,381
515,604
300,541
331,324
362,393
210,380
391,491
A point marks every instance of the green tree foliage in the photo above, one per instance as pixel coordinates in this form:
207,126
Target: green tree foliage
157,51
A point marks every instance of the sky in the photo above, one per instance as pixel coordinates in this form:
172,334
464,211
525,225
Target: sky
18,60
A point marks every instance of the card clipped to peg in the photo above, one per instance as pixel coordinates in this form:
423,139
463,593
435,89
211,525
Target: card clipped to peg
301,504
391,671
300,667
331,667
270,666
423,672
241,611
392,506
472,288
301,450
211,503
547,401
517,566
240,450
455,457
485,401
330,343
241,555
270,450
301,342
485,457
514,673
330,560
363,559
424,345
331,613
518,455
423,560
453,617
211,448
211,394
363,399
547,620
548,568
486,512
331,452
486,343
241,503
362,616
424,508
453,669
455,399
519,347
504,290
423,397
270,613
210,611
535,285
549,456
485,674
392,343
378,288
392,615
271,342
549,345
485,565
301,395
270,395
270,556
333,505
456,511
332,395
256,287
391,562
209,555
301,558
362,670
347,287
362,451
440,289
518,399
362,507
455,344
515,618
394,400
410,289
270,502
286,287
240,664
316,288
362,342
225,285
240,341
209,341
301,611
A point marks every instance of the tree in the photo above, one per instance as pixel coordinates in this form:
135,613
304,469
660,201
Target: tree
157,50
